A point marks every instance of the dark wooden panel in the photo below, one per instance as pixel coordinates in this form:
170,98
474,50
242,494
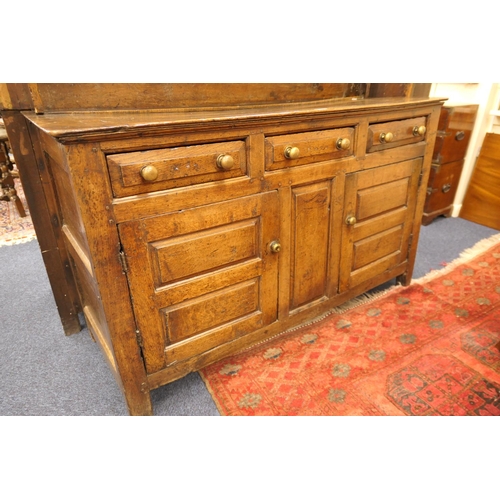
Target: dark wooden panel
482,200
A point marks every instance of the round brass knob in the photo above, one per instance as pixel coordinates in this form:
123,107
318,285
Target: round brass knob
292,153
149,173
386,137
351,220
343,143
225,162
275,246
419,130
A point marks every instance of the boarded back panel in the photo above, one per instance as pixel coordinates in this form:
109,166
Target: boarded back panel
115,96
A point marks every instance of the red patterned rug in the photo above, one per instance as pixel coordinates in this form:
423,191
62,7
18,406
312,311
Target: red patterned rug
15,229
426,349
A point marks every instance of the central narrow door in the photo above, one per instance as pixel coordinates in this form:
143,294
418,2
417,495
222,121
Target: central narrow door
314,247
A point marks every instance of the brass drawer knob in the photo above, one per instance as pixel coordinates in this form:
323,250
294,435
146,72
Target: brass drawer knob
419,131
446,188
343,143
225,162
459,136
275,246
386,137
292,153
149,173
351,220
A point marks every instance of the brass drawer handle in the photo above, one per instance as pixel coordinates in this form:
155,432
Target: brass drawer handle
419,131
292,153
343,143
225,162
350,220
446,188
459,135
386,137
149,173
275,246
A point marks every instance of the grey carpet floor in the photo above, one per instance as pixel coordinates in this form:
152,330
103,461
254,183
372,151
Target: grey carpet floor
43,372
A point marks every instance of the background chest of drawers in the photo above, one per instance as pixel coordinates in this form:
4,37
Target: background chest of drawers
454,131
192,234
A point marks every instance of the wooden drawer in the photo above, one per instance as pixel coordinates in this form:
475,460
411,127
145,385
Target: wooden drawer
454,131
155,170
298,149
451,145
442,185
395,133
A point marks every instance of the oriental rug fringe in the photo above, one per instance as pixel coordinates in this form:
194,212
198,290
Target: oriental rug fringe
15,229
427,349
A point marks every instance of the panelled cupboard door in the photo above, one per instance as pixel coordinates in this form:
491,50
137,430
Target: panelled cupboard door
313,245
378,219
203,276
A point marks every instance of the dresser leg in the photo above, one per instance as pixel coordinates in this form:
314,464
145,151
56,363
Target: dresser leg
403,280
139,403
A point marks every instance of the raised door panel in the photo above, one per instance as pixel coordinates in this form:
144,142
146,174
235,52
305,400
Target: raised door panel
202,277
378,220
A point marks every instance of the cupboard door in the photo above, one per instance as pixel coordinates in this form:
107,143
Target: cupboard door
202,277
313,245
378,219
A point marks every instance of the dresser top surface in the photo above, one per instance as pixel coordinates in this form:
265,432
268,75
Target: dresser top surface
89,123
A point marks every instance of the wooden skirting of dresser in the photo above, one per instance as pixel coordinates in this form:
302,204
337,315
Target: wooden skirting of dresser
194,233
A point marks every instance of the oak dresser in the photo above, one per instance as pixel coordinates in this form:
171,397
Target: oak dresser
194,233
